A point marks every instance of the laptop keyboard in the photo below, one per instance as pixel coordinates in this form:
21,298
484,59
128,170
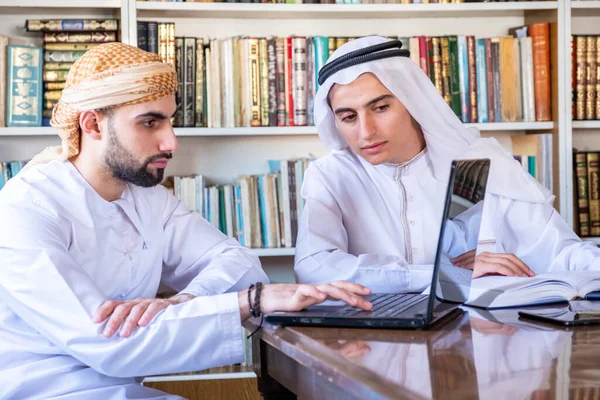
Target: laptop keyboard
385,305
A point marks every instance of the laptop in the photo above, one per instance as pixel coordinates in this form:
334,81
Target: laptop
449,284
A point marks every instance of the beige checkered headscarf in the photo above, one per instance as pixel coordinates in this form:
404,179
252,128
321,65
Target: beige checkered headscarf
113,74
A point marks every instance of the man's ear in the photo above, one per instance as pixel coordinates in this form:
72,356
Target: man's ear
89,124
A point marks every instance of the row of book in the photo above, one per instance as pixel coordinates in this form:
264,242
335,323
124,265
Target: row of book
587,192
32,78
534,152
65,41
499,79
585,67
260,211
251,81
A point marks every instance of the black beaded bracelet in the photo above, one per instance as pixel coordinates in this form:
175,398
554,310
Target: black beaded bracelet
249,302
256,309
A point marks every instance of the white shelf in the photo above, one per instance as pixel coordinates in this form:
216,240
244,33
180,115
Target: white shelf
595,240
199,377
513,126
313,11
278,252
45,4
585,4
586,124
34,131
257,131
284,130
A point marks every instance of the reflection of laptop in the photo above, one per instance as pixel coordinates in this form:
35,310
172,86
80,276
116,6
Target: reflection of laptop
465,191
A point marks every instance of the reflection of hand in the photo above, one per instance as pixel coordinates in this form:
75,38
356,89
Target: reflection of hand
491,328
348,348
488,263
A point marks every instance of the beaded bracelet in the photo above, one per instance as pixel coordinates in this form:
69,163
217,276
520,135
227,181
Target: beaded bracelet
256,310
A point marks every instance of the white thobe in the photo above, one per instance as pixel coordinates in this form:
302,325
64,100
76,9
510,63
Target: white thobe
65,251
371,225
379,226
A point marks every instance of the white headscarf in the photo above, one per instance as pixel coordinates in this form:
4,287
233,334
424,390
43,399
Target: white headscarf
446,136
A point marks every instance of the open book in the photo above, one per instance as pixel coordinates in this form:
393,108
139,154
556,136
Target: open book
502,291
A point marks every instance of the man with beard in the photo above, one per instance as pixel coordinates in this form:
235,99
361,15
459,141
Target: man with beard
89,235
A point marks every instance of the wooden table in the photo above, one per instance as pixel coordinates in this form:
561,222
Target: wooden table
473,354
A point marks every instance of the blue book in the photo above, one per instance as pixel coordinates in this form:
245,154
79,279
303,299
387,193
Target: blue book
262,207
463,78
482,96
24,94
321,45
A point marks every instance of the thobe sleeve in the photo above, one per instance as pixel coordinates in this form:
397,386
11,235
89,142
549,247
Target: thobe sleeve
42,284
322,249
538,235
199,259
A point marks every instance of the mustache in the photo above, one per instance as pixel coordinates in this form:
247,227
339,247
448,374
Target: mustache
160,156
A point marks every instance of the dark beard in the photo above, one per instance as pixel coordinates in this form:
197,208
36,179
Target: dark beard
123,165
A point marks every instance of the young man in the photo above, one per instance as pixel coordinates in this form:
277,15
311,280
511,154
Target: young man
89,234
374,204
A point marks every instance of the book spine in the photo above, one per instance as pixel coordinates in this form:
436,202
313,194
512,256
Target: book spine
54,85
280,81
528,91
597,116
489,71
171,44
163,39
24,101
518,91
237,83
321,45
593,166
310,81
507,79
179,68
424,55
142,35
540,38
590,78
200,122
272,77
463,76
583,210
471,59
289,78
153,37
581,78
70,46
436,61
79,37
189,93
299,80
263,56
71,25
3,82
446,90
495,44
253,59
482,112
229,91
55,76
454,75
63,56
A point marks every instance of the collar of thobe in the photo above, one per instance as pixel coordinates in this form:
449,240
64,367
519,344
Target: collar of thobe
412,166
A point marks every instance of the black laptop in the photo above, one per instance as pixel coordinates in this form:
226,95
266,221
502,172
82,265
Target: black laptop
449,284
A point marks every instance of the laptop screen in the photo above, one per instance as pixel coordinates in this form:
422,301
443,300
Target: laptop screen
459,232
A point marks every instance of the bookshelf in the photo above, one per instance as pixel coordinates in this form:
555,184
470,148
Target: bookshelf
582,18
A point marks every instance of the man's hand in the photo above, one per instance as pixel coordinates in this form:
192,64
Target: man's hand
493,263
291,297
137,312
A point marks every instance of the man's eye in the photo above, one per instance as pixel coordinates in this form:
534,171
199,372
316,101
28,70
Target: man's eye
150,123
349,118
383,107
